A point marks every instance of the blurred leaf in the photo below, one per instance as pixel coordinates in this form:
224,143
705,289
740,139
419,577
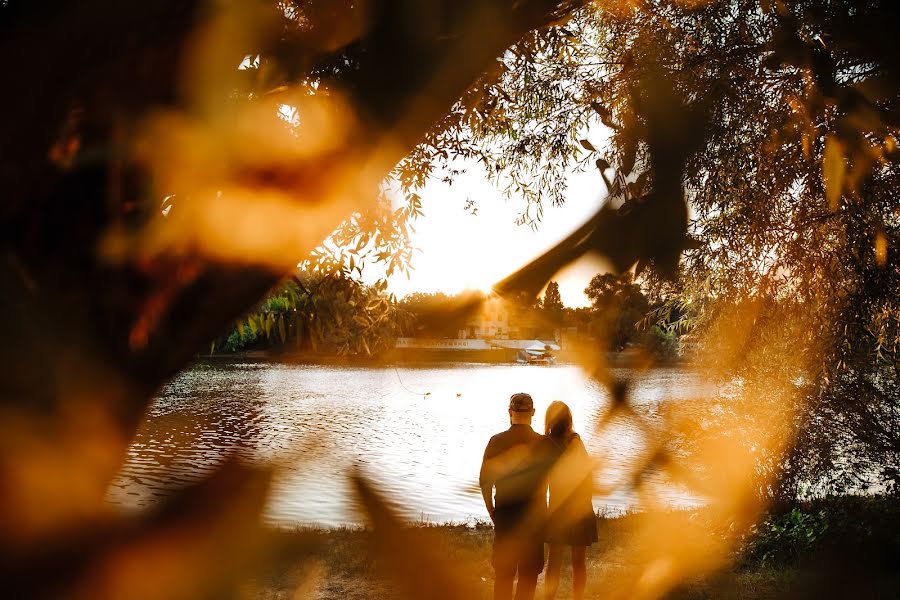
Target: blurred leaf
833,170
881,248
211,528
411,561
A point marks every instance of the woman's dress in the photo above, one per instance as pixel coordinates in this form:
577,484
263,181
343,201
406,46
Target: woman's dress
571,512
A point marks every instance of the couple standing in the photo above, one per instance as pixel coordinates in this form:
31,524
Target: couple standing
519,467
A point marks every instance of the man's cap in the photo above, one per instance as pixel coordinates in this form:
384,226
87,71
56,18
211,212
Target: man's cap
521,402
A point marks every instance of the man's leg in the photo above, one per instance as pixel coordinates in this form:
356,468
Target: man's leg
503,584
531,563
504,561
526,585
551,577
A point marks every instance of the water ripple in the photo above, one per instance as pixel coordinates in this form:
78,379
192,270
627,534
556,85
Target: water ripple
317,422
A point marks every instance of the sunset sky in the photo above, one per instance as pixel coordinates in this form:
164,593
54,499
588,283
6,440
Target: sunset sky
460,250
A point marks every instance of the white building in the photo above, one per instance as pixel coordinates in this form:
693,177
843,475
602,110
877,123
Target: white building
491,323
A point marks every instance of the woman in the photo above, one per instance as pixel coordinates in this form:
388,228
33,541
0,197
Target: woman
571,517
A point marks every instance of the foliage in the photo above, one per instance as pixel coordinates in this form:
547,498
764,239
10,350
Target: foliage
552,305
166,163
619,305
239,339
441,315
327,313
379,236
791,183
429,312
831,527
661,343
579,318
164,166
789,537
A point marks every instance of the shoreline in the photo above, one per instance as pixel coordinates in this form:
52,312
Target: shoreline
786,556
618,360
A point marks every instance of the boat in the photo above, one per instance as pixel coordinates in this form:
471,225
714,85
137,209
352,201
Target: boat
537,354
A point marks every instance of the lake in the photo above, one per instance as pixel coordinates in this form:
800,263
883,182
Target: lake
419,432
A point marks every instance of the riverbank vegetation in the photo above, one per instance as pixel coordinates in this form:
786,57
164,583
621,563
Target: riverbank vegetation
332,313
326,314
802,551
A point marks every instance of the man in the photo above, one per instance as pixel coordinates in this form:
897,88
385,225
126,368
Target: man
516,463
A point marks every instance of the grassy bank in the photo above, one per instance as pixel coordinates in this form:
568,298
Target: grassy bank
837,548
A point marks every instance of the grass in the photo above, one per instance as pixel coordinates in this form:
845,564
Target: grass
833,565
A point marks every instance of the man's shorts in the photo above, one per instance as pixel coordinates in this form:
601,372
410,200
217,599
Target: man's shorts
514,549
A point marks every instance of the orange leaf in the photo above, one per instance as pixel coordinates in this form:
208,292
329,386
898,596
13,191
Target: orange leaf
834,168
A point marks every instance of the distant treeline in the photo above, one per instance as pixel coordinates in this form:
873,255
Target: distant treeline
338,315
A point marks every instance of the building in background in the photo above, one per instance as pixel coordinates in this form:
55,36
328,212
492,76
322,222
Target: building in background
492,323
497,333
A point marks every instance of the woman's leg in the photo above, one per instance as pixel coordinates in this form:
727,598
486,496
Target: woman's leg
579,572
551,577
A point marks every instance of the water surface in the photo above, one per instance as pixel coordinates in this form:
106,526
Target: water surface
419,432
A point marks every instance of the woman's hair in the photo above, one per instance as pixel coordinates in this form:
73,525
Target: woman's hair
558,420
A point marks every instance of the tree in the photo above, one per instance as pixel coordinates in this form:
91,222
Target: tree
781,120
438,315
618,305
552,305
776,123
323,313
794,178
163,166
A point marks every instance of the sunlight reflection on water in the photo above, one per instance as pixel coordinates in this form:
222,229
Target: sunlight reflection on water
423,450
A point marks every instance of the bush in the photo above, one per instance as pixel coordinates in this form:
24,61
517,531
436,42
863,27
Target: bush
661,343
785,539
863,529
239,339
